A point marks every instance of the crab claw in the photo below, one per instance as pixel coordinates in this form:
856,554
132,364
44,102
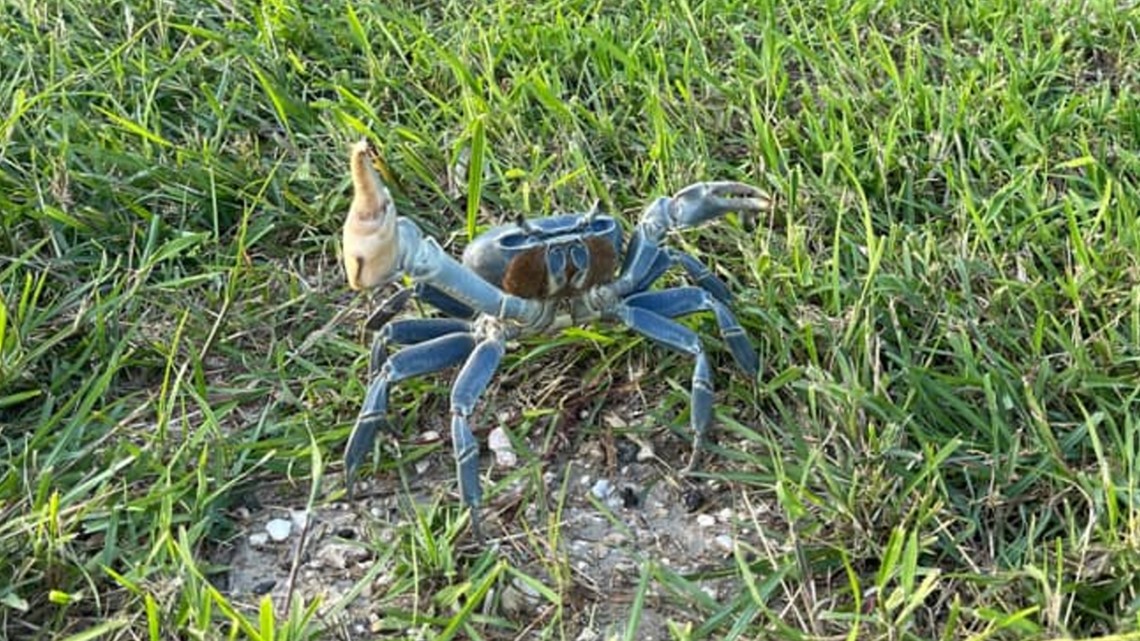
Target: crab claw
702,202
371,244
388,309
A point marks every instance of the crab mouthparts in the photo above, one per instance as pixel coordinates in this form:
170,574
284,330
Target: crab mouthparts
370,243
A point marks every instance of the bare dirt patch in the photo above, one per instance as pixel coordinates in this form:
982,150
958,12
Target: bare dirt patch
611,505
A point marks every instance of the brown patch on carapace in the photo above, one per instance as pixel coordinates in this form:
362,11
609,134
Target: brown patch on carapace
603,262
527,276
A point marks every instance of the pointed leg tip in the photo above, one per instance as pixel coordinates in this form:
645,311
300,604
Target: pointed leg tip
750,364
477,528
743,354
350,485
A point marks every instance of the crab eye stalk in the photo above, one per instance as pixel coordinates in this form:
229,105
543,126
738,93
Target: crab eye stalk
371,242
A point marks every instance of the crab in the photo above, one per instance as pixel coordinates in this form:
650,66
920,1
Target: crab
528,277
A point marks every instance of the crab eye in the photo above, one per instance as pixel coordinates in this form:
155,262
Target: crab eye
510,241
602,226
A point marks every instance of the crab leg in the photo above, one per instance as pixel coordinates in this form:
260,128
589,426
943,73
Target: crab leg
702,275
423,358
697,271
411,331
469,386
672,334
679,301
427,263
441,301
395,304
388,309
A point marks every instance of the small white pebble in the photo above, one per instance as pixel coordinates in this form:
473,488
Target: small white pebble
500,444
375,511
725,515
498,439
279,529
506,458
709,590
706,520
724,542
258,539
602,489
422,466
430,435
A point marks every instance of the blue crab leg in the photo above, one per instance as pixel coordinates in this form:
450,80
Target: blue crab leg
703,276
697,271
441,301
455,284
672,334
679,301
388,309
411,331
426,357
469,385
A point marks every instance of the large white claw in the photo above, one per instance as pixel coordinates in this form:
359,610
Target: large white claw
371,244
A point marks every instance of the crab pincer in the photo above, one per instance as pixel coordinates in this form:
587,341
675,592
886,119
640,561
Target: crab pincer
705,201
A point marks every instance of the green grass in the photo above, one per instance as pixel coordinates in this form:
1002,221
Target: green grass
946,432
